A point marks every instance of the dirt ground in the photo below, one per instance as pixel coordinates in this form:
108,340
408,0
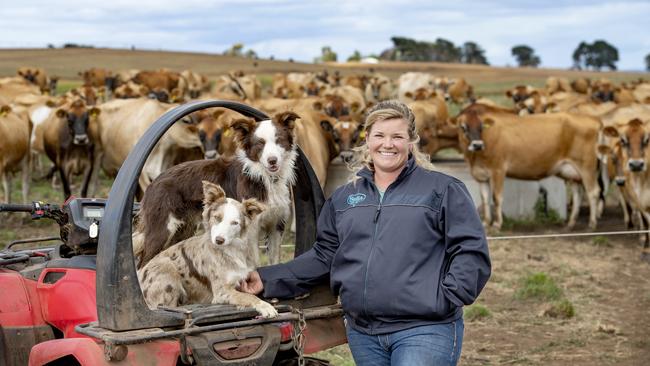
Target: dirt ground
607,284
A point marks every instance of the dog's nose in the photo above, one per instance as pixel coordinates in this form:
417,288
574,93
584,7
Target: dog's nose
219,240
272,160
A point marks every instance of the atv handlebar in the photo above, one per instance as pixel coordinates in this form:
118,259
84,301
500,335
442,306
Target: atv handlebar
38,209
10,207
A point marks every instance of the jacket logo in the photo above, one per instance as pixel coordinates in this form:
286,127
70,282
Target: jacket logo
355,199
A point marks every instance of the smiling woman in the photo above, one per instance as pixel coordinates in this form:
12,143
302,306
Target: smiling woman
402,246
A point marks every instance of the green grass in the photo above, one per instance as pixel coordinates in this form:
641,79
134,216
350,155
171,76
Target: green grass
561,309
338,356
476,312
266,80
538,286
601,241
541,218
63,86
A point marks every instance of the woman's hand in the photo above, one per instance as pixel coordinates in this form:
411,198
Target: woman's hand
253,284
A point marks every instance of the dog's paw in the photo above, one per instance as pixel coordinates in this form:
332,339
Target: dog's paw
266,310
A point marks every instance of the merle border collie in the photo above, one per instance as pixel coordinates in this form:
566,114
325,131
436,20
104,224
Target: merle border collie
262,168
207,268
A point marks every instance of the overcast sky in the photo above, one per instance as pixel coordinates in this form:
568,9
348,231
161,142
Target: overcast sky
298,29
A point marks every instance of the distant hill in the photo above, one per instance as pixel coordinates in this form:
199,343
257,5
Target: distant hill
66,63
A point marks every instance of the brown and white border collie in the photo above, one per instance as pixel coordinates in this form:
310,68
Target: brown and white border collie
262,168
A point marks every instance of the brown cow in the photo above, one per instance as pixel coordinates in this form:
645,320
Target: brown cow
130,90
616,173
557,84
459,91
316,140
581,86
38,77
161,84
634,138
15,130
520,93
431,117
95,77
378,88
498,144
69,145
120,125
237,86
214,131
195,83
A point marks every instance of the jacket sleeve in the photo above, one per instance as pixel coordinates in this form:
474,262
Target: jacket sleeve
294,278
468,260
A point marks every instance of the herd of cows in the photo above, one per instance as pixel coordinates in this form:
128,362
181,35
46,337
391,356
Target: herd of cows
587,132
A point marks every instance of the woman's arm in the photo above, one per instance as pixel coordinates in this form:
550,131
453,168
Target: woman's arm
466,245
296,277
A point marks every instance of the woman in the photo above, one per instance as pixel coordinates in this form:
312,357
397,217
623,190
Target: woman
403,247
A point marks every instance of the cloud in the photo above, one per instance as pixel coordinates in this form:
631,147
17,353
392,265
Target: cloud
298,29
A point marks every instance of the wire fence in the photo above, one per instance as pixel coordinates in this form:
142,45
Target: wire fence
545,236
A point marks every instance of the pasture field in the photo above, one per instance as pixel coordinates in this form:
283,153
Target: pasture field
549,301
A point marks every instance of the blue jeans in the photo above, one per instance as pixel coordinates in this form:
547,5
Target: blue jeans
438,344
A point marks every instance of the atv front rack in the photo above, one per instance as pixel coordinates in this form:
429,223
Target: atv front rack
223,314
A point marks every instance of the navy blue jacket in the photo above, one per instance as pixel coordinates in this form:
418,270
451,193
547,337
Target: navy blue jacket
415,258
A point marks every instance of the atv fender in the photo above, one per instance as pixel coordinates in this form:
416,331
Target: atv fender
88,352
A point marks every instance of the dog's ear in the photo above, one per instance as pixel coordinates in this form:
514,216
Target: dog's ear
253,207
286,119
242,127
212,193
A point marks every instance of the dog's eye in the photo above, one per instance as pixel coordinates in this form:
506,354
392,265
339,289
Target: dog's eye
219,217
234,223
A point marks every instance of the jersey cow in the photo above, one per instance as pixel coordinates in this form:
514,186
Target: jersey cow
634,138
14,149
499,144
69,145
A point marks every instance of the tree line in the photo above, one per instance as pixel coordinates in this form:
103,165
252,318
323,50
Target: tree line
595,56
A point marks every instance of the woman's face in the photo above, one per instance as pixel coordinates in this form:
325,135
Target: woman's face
388,143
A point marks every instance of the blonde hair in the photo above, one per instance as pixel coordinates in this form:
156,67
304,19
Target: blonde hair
385,110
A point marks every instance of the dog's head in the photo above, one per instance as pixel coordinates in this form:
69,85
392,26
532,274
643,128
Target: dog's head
225,219
268,147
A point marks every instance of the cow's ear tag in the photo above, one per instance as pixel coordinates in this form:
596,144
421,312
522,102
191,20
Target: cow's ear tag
227,132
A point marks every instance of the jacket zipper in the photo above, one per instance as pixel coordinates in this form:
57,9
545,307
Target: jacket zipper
372,247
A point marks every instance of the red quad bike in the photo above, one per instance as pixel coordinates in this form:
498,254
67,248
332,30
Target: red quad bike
80,303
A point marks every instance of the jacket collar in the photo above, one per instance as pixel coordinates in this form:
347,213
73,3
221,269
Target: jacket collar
408,169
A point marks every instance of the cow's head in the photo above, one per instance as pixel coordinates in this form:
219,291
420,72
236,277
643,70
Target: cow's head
375,84
603,91
211,131
77,116
615,162
633,138
520,93
421,94
111,82
312,89
535,103
472,125
346,136
54,81
28,74
160,94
